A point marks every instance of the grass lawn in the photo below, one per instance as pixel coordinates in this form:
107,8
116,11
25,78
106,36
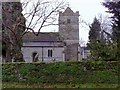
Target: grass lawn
23,85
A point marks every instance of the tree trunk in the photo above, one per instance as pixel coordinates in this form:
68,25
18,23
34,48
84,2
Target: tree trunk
18,56
8,56
8,53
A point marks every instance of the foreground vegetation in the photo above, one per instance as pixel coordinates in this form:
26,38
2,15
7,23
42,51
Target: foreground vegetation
88,74
24,85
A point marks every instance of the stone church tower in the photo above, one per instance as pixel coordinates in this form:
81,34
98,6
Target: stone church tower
69,31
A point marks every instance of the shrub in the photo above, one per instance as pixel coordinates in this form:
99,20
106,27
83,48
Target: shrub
61,72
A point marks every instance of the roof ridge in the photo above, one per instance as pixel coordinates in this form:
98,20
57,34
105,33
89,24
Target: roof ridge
68,10
43,32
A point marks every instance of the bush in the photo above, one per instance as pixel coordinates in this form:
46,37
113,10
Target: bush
61,72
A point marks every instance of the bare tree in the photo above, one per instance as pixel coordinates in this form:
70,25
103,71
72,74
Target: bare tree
37,14
41,13
106,27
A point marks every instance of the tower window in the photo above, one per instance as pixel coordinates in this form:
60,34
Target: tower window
68,20
49,53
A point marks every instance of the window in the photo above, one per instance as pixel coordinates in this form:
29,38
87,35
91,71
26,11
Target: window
49,53
68,20
35,56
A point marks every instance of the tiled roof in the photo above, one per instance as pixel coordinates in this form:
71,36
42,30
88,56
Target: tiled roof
42,37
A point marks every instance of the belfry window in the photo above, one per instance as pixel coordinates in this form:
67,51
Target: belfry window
68,20
50,53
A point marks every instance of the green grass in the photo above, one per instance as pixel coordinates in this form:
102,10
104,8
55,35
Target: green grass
23,85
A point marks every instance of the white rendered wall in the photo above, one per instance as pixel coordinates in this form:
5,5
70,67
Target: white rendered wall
57,53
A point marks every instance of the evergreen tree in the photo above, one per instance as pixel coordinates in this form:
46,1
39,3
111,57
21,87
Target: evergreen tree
94,33
114,8
99,47
94,37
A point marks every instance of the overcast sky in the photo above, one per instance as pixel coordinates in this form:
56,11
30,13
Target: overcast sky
88,9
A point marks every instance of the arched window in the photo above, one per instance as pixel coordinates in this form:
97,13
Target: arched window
35,56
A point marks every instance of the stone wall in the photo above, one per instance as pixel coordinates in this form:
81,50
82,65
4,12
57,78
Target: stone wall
69,31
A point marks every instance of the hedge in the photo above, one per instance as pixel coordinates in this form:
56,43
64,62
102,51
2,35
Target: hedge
61,72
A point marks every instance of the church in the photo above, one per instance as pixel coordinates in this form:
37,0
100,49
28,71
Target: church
55,46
